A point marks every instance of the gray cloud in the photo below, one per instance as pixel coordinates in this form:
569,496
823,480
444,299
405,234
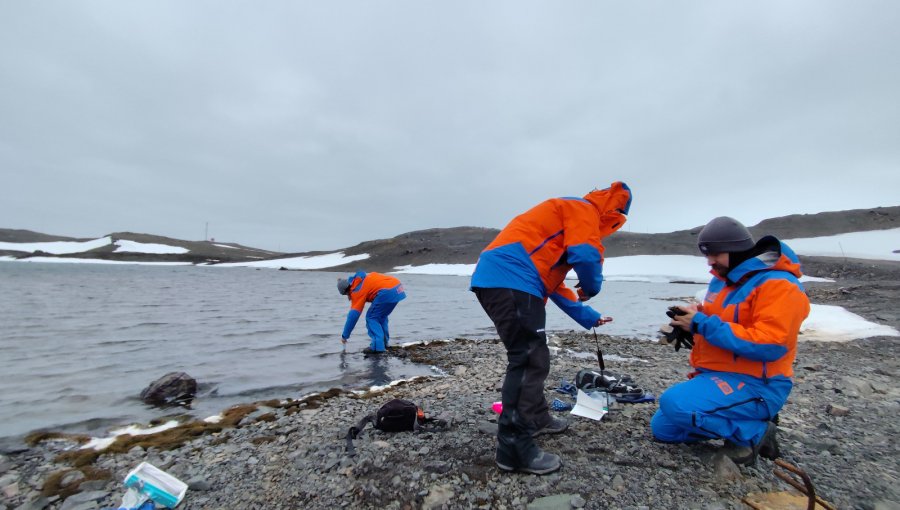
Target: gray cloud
317,125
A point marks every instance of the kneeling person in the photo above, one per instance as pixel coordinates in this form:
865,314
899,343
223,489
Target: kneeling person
745,341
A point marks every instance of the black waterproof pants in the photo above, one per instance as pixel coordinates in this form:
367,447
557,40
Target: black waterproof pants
520,319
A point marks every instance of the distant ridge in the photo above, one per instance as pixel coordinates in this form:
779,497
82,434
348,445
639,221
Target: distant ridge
460,245
9,235
198,251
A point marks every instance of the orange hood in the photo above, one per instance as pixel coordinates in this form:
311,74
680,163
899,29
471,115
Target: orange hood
613,204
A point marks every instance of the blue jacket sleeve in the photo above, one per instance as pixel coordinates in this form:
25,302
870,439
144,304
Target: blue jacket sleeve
582,314
352,317
719,333
588,265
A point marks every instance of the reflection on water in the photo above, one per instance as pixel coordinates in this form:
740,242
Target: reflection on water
80,342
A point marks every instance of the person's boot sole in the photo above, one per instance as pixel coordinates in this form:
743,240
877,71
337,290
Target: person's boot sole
547,471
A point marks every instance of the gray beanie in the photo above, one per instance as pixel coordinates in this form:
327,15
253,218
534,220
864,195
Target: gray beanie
724,235
343,286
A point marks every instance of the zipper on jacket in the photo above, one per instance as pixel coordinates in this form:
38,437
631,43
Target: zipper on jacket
532,252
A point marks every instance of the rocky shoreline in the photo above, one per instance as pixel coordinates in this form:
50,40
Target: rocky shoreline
839,425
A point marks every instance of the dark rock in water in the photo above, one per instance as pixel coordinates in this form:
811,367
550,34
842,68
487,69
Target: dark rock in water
172,388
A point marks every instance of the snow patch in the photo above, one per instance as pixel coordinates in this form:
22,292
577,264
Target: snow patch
313,262
872,245
54,260
125,246
828,323
57,247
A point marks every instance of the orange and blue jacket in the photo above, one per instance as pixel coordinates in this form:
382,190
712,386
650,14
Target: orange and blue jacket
368,288
749,321
538,248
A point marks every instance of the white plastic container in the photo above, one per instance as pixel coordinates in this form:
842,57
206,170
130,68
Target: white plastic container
161,487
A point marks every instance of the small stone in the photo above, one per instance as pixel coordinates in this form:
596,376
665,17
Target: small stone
72,477
438,496
725,469
880,388
437,467
11,490
198,484
92,485
836,410
556,502
858,386
39,503
486,427
84,497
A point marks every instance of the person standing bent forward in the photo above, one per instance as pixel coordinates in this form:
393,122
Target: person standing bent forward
524,265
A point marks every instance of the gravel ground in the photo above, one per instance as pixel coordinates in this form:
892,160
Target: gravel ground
840,425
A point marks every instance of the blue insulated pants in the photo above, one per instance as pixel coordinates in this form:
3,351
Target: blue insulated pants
719,405
377,325
377,317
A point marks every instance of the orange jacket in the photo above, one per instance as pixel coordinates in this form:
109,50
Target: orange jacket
749,322
365,286
552,238
538,248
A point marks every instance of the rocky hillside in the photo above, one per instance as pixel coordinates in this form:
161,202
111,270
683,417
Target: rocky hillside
462,245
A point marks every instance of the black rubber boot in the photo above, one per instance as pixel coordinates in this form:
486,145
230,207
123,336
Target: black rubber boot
556,426
544,463
767,448
516,449
768,445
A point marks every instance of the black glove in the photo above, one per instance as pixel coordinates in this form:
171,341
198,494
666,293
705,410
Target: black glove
678,336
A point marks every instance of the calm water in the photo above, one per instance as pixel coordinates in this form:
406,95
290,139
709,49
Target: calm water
79,342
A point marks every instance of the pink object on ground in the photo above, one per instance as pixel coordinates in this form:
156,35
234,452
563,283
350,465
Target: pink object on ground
497,407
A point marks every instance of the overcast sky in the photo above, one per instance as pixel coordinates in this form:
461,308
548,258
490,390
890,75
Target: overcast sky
301,126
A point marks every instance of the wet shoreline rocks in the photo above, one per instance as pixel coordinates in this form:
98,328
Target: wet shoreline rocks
839,425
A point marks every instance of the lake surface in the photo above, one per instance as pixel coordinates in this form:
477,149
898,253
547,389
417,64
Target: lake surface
80,341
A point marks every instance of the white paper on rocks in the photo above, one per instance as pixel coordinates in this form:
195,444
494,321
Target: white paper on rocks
589,407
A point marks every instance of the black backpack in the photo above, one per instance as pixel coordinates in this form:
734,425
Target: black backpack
398,415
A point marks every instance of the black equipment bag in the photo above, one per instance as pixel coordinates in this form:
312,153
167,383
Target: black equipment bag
398,415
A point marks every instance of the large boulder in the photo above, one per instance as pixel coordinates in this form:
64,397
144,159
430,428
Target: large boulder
172,388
